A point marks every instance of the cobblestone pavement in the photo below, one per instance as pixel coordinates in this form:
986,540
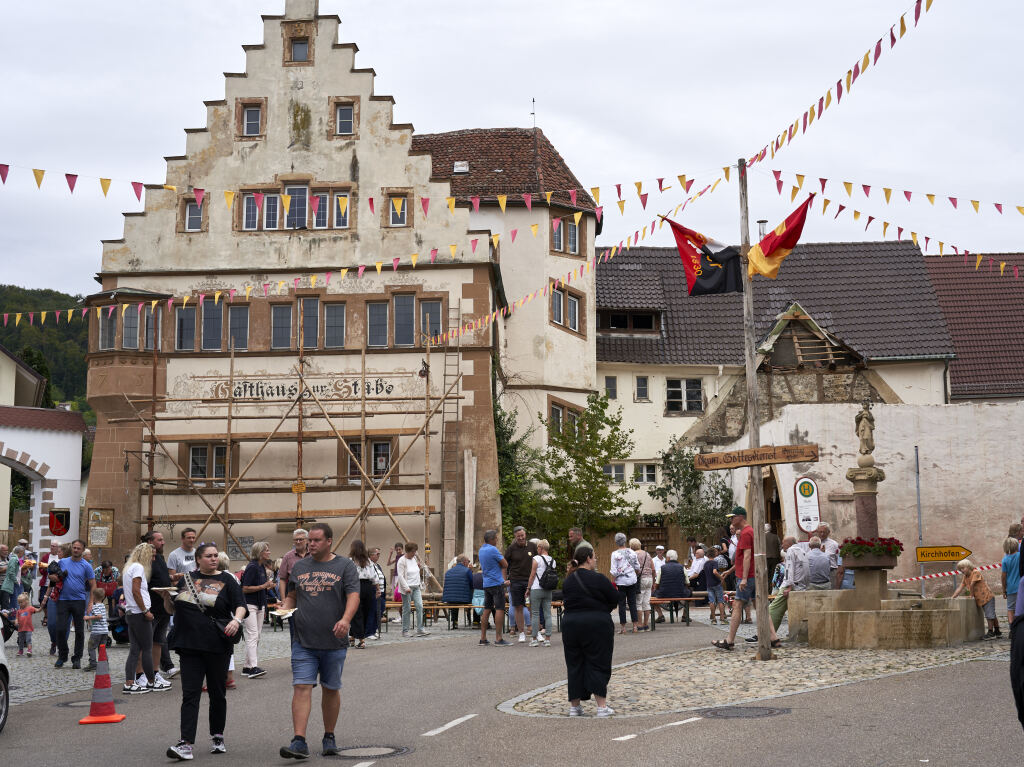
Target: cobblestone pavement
35,677
663,684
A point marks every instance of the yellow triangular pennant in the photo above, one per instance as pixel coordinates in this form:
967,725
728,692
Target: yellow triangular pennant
123,308
913,236
810,115
888,194
312,284
494,239
69,313
216,296
286,202
39,180
885,227
105,185
941,246
622,207
849,79
502,199
280,287
533,228
547,197
170,187
42,317
396,203
576,217
828,99
379,264
414,258
451,204
17,317
856,215
931,198
825,204
184,301
928,6
595,192
793,194
974,203
682,182
849,188
903,25
97,313
343,273
1002,265
152,306
799,181
639,187
717,181
978,263
248,291
864,62
725,170
229,199
453,248
342,204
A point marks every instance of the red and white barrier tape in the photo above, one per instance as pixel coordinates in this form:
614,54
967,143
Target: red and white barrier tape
942,575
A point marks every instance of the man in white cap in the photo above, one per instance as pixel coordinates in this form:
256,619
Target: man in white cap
658,561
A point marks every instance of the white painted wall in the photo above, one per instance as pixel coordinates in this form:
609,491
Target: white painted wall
916,383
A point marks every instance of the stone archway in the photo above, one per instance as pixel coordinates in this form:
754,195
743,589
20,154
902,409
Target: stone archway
46,447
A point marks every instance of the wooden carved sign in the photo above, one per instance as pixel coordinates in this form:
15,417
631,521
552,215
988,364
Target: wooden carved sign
756,457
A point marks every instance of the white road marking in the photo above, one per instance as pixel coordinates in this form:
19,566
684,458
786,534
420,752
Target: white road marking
448,726
363,764
659,727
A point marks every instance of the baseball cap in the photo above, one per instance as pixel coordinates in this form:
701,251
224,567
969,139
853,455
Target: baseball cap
659,546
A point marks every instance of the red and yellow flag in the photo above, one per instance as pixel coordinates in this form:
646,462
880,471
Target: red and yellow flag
766,257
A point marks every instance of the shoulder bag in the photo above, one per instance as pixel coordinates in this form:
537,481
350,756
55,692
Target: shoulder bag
220,623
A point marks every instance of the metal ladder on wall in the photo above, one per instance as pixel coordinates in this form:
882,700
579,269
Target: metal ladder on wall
450,409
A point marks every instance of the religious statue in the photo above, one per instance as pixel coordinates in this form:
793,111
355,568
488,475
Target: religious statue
866,430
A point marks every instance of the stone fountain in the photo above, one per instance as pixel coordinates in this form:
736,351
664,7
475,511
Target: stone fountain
870,615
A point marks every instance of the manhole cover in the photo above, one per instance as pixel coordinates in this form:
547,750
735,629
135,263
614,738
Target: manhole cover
373,752
742,712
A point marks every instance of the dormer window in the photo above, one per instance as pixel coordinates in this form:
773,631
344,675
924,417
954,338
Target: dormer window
623,321
298,39
300,49
252,120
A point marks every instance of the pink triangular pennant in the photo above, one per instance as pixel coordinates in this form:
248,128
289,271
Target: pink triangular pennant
199,193
867,189
513,233
86,310
892,37
72,179
394,264
297,282
953,201
599,211
1015,272
618,190
899,233
137,186
433,255
110,310
839,91
555,223
856,72
473,244
823,182
231,295
907,195
258,196
203,295
841,209
3,173
528,199
425,204
926,239
361,270
689,183
917,11
643,200
476,203
5,319
314,203
31,316
661,185
999,206
804,129
821,107
371,208
878,50
572,197
870,219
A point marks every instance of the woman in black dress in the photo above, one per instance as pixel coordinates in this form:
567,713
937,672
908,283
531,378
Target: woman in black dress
588,634
208,612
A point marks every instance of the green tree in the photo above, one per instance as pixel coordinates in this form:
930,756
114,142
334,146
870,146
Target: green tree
35,360
578,492
697,500
522,498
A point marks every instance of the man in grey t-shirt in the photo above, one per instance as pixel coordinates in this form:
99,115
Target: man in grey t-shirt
818,565
324,590
183,559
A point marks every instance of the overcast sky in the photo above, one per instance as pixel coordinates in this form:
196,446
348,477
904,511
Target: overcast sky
626,91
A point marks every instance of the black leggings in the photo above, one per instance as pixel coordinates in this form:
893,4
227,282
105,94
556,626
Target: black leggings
627,595
140,634
367,598
195,668
588,639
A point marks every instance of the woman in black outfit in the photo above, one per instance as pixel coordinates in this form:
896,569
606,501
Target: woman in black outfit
201,638
588,634
367,593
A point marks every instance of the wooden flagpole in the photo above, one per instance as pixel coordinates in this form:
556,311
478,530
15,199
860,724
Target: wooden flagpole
756,510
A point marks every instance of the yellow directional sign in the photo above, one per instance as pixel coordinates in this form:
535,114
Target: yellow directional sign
298,487
942,553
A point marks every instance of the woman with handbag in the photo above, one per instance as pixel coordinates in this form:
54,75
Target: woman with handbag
588,634
625,571
208,612
139,618
255,585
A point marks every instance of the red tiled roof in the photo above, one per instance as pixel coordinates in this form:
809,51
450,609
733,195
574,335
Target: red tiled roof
985,315
502,161
41,418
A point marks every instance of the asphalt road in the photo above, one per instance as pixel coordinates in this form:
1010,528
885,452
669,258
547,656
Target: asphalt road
399,695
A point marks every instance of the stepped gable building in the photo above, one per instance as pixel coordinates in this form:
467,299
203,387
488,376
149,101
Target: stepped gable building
843,323
299,175
983,311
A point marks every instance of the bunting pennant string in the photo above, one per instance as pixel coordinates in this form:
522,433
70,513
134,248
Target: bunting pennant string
860,66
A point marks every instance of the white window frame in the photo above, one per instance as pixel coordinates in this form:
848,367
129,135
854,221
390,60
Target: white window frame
573,239
558,307
245,119
343,224
614,393
686,396
557,417
215,344
193,217
645,473
351,120
136,317
344,329
615,472
191,462
572,312
352,473
297,193
321,210
271,201
246,201
557,241
274,309
396,220
107,330
305,328
387,319
177,326
150,316
376,475
646,396
404,298
232,311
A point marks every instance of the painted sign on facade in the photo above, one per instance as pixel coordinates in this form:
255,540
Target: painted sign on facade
808,514
269,389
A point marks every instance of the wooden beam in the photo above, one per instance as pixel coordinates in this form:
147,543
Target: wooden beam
292,436
289,515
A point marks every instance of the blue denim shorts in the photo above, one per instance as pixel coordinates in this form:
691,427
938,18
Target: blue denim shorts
747,594
716,594
308,664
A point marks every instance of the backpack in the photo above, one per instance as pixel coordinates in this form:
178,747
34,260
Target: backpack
549,578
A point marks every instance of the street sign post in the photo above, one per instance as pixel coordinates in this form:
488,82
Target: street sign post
808,514
942,553
759,456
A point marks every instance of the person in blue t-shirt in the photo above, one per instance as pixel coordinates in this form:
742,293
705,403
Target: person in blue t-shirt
495,570
78,580
1011,580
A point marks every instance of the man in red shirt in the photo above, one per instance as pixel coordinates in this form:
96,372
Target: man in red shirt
745,584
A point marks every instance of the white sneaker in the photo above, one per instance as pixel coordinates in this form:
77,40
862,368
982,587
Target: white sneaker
135,689
171,672
534,643
522,637
182,751
217,745
576,711
160,678
547,643
376,636
160,685
603,711
422,633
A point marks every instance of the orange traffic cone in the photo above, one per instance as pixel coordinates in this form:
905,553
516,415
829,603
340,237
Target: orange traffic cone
102,709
